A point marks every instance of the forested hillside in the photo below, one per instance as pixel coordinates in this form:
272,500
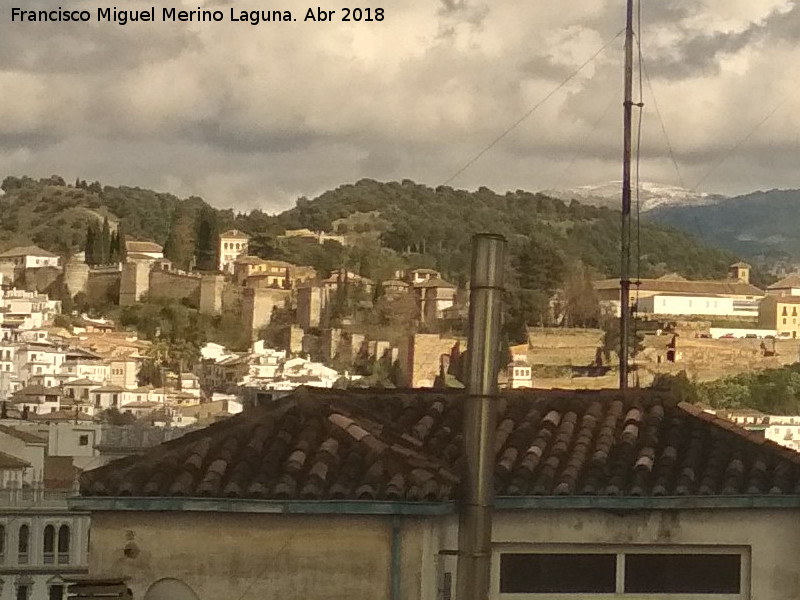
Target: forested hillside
762,225
54,215
388,226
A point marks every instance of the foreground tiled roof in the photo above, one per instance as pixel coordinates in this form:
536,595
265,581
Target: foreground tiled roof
396,445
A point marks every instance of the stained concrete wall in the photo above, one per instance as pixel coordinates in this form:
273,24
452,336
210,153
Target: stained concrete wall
266,556
258,304
76,277
271,556
103,286
563,346
135,281
178,286
419,357
211,287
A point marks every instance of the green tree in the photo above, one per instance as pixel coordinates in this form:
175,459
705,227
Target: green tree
91,243
206,256
122,249
105,243
180,244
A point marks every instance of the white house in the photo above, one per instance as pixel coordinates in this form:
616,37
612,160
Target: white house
30,257
232,244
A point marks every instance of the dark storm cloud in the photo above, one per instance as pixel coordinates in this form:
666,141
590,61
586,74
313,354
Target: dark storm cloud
255,116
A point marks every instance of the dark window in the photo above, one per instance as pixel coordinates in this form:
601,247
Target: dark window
56,592
22,544
49,545
83,440
2,544
63,544
682,573
23,592
557,573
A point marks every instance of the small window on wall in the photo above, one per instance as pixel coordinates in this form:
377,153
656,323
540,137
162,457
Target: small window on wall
683,573
623,572
557,573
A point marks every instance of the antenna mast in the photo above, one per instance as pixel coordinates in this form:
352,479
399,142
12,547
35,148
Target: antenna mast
625,236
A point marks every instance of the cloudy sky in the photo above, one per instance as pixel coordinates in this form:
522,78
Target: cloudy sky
255,116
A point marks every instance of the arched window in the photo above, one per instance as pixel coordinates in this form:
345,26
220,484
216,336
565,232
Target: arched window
49,545
23,542
170,589
784,313
63,544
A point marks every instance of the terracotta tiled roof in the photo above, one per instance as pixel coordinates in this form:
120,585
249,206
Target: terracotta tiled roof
790,281
12,462
699,288
27,251
434,282
234,233
26,437
137,246
389,445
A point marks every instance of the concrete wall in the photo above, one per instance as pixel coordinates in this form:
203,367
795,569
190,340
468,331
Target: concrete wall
170,284
562,346
258,304
39,279
311,303
226,556
103,286
211,287
134,281
76,277
420,355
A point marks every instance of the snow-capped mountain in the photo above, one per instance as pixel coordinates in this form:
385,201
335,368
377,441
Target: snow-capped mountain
651,195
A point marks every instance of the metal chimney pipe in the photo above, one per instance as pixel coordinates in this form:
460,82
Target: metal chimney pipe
483,352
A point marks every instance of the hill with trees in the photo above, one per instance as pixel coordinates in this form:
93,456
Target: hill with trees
553,245
762,225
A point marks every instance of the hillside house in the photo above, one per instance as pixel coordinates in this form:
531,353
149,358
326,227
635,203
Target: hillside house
30,257
434,296
520,374
356,493
144,248
729,298
788,286
232,244
36,399
781,314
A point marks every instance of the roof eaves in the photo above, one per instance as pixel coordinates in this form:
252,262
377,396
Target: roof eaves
350,507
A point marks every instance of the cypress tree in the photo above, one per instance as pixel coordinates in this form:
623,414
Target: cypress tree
207,240
88,249
113,244
122,249
105,243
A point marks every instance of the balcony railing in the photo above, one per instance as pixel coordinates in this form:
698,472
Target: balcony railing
34,498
